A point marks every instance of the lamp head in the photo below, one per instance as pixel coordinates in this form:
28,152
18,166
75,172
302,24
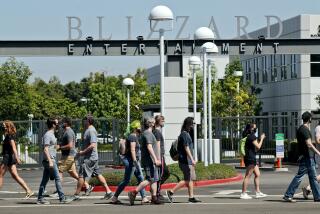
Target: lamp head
204,33
128,82
210,47
161,13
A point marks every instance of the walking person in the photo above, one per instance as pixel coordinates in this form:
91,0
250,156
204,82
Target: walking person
10,157
306,161
307,190
50,168
68,153
251,147
150,163
163,169
131,161
186,162
89,166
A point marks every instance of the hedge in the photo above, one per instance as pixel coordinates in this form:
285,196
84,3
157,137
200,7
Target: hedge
214,171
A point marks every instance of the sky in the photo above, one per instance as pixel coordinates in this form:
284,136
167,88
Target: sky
47,20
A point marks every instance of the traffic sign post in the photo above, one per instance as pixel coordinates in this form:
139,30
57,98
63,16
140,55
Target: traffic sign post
279,151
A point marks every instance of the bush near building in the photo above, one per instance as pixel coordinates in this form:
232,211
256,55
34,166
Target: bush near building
214,171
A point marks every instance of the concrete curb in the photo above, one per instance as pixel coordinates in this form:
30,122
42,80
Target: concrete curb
202,183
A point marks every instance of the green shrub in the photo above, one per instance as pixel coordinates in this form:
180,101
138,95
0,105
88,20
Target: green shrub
214,171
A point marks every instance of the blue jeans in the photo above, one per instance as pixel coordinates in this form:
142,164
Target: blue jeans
306,165
129,170
45,179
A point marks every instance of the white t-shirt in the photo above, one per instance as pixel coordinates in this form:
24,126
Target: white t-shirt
317,135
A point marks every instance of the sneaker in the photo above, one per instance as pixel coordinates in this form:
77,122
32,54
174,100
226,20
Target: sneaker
260,195
89,190
245,196
161,198
66,200
115,200
132,197
288,199
305,192
29,194
169,195
145,200
75,197
43,202
194,200
108,195
54,195
155,200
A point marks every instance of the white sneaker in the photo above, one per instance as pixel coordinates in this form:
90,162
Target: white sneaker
245,196
260,195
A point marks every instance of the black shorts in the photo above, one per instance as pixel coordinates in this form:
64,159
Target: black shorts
189,173
9,160
250,162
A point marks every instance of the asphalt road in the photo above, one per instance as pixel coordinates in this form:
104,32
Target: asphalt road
222,198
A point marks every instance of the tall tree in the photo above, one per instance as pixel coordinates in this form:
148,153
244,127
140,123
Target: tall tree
15,95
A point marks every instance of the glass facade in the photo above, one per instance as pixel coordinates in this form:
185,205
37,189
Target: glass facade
273,68
315,65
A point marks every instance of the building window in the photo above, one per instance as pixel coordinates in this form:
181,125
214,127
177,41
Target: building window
265,69
293,63
295,121
274,70
315,65
283,67
284,123
248,70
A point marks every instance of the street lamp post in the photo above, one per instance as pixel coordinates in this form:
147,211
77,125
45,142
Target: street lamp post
161,13
128,82
209,47
210,62
238,74
204,33
194,63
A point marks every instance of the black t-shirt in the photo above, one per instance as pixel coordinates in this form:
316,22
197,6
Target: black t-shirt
184,140
303,134
159,137
7,148
250,148
132,139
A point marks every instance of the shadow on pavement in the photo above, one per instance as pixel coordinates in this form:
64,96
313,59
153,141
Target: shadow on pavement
230,197
26,202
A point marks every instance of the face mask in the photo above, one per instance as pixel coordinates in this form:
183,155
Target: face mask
254,130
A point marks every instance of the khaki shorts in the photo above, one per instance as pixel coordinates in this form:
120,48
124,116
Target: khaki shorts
67,164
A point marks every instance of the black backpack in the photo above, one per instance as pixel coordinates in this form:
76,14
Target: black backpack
174,150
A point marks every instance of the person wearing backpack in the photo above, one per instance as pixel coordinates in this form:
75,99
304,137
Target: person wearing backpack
186,162
251,147
243,140
130,159
150,163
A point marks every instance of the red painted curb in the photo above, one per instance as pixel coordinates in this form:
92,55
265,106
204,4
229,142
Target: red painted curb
171,185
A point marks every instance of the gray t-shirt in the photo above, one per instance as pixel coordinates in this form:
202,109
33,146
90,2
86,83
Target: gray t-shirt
51,141
147,138
90,136
68,136
133,139
159,137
